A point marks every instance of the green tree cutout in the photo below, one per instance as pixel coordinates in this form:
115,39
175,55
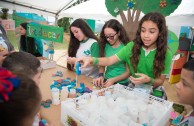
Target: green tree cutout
134,9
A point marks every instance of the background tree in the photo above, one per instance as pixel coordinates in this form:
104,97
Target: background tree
4,15
65,23
134,9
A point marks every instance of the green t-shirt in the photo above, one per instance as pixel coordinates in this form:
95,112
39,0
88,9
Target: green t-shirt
95,50
145,64
117,68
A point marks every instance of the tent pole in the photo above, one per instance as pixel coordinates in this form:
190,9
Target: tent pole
66,6
56,19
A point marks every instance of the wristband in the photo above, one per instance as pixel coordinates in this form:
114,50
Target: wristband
101,75
95,62
151,80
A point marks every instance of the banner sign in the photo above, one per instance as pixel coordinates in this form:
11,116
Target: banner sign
8,24
50,33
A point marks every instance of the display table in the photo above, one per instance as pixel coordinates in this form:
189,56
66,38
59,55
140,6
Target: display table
53,114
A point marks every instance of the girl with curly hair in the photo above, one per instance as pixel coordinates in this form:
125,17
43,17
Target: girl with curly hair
147,57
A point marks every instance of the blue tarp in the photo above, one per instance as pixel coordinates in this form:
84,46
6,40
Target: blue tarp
31,16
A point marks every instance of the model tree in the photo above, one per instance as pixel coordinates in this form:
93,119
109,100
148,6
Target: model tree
134,9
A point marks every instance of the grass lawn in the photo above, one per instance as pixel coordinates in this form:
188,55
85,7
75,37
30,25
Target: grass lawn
58,46
13,39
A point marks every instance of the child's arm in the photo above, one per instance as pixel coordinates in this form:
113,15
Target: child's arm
104,61
71,60
159,81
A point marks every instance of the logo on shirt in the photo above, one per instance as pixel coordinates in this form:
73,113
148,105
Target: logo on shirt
87,52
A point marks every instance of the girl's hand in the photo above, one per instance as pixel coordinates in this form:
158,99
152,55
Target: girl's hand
142,79
71,60
98,81
85,61
109,82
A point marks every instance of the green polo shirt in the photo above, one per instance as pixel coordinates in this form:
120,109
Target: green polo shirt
117,68
145,64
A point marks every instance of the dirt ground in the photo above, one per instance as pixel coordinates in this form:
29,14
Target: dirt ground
59,55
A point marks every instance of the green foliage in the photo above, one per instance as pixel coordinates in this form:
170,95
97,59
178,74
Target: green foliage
114,6
5,13
13,39
64,22
178,108
154,5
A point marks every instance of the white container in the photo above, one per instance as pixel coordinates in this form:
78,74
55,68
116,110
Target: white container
144,88
64,93
99,116
55,96
72,93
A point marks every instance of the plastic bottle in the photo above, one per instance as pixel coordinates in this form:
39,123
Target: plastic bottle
55,96
72,93
64,93
78,68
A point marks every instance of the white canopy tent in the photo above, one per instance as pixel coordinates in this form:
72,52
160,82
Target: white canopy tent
183,15
96,9
41,7
92,9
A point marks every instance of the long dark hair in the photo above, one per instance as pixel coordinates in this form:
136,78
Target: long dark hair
27,44
117,27
74,42
161,43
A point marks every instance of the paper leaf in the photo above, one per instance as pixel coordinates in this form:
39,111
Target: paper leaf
154,5
114,6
